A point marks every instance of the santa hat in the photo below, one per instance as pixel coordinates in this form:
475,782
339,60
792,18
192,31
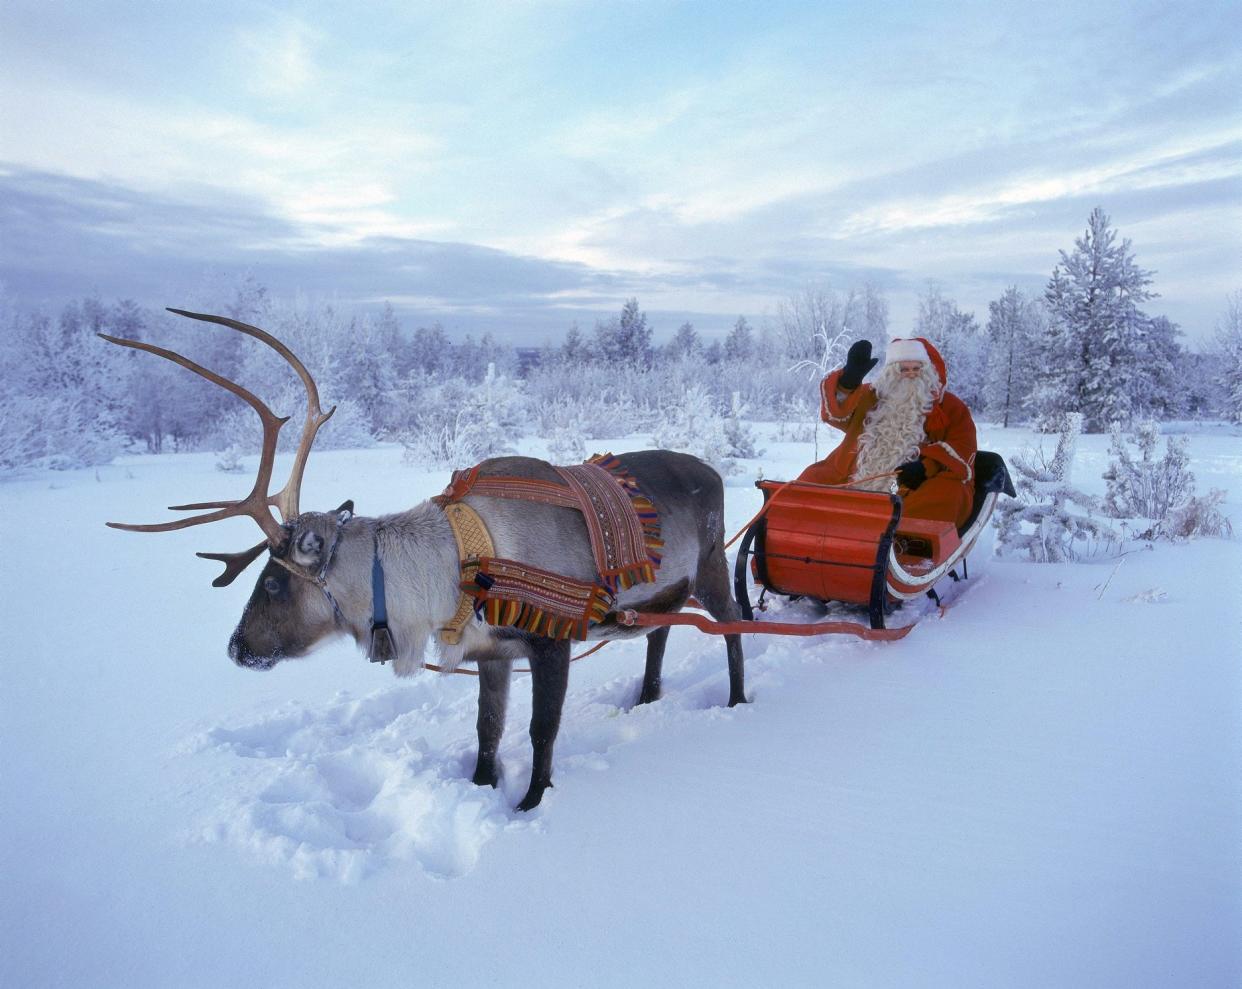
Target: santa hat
915,349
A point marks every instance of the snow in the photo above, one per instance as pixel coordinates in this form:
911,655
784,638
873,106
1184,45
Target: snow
1039,788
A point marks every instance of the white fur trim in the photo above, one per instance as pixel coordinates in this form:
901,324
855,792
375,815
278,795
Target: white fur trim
970,474
905,350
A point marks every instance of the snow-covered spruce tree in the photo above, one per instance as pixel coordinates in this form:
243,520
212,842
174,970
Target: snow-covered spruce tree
366,374
1014,322
1095,357
1228,355
1051,520
1162,359
739,345
685,344
625,339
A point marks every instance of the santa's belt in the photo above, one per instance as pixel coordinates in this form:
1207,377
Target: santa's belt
473,543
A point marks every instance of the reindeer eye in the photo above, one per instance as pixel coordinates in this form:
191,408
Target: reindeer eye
271,585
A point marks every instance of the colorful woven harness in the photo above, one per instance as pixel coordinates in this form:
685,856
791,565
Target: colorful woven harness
624,530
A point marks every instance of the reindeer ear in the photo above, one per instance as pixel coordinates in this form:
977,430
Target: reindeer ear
345,512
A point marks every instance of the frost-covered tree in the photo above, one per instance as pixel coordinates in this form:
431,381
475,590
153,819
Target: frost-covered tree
1228,357
1051,520
366,374
1014,322
430,351
739,345
463,422
691,422
862,313
625,339
961,343
1162,388
1095,357
65,391
574,350
685,343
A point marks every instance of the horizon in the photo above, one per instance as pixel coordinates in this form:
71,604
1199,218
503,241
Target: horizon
518,168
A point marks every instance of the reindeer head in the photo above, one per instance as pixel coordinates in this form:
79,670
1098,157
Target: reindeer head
291,608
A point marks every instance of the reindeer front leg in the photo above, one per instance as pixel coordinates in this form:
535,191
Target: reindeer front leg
493,699
549,664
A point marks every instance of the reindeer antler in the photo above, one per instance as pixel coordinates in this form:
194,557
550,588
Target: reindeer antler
286,500
258,503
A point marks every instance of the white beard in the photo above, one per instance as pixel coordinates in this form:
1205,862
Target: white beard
893,430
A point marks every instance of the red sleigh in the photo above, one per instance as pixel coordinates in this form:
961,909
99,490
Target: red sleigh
837,544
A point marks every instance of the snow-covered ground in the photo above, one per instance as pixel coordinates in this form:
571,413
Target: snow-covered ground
1041,788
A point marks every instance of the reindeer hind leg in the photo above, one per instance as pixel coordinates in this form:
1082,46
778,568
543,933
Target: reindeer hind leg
713,590
656,641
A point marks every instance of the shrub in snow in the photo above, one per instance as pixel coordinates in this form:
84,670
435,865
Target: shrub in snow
566,444
1050,520
690,422
603,401
1198,517
60,432
1156,495
1145,487
738,434
21,441
462,423
230,459
348,429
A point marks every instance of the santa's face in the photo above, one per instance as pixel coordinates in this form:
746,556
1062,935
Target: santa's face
907,382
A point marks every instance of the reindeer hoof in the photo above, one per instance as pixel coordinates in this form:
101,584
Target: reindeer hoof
533,796
486,776
739,699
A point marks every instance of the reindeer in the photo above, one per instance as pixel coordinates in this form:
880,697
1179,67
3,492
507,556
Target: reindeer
391,582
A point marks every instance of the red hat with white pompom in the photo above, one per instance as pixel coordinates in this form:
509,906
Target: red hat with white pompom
915,349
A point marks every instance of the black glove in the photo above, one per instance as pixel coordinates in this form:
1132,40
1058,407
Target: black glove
912,474
857,363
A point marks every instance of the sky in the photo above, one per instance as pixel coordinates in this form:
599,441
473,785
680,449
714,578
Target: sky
516,167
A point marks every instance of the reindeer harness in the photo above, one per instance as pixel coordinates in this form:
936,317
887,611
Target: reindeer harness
624,530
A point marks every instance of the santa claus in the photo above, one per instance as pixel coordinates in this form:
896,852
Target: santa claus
906,422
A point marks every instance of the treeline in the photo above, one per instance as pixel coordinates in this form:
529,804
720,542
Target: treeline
1085,345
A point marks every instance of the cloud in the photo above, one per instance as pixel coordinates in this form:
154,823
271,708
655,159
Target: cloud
66,237
278,58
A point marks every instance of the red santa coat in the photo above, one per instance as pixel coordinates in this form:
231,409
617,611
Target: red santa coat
948,454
